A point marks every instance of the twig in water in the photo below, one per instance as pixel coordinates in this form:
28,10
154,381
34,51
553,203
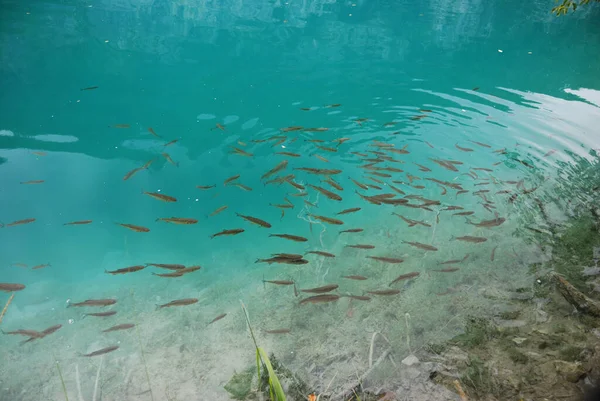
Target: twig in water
78,382
460,390
97,378
62,380
6,306
372,346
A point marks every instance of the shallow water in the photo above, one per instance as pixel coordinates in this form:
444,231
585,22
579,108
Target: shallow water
516,89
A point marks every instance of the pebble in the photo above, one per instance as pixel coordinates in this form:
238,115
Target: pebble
410,360
519,340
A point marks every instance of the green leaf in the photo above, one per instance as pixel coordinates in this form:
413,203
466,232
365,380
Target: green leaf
274,384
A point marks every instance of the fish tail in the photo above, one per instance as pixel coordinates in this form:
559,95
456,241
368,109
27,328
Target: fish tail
468,221
264,282
258,260
157,307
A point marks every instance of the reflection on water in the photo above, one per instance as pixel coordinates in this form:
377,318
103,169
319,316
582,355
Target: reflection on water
432,162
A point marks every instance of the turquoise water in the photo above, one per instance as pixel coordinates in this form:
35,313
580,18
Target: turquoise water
440,73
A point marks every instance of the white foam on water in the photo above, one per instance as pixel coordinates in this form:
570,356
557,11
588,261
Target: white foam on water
55,138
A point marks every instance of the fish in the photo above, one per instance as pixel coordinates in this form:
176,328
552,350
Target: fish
405,277
328,220
178,302
281,166
321,253
327,149
279,282
488,223
445,164
358,184
101,314
169,275
174,141
41,266
255,220
482,169
241,186
168,266
166,156
135,170
321,158
241,143
178,220
102,351
320,290
468,238
38,153
422,168
326,192
234,231
453,208
278,331
384,292
44,333
283,259
319,171
125,326
94,302
151,130
386,259
310,203
233,178
446,270
359,121
550,152
159,196
242,152
446,183
334,184
361,246
300,194
220,126
290,237
411,222
419,245
121,126
333,105
77,223
317,129
33,182
221,316
89,88
351,210
27,333
355,277
18,222
288,154
493,254
204,187
340,140
189,269
352,230
124,270
218,210
318,299
292,128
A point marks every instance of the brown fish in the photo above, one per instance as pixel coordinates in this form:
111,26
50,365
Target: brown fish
101,314
419,245
160,197
233,178
321,158
360,246
218,210
78,223
281,166
493,254
384,292
11,287
18,222
327,193
177,273
178,220
27,333
288,154
238,151
318,299
323,289
488,223
317,129
289,237
292,128
121,126
358,297
327,220
174,141
321,253
125,326
446,270
41,266
221,316
102,351
355,277
405,277
358,184
242,186
386,259
33,182
94,302
279,282
319,171
444,164
124,270
89,88
234,231
284,260
278,331
132,227
38,153
352,230
178,302
334,184
168,266
347,211
255,220
463,149
169,159
204,187
151,130
468,238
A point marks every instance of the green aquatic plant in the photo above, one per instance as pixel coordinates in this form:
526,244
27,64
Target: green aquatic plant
275,390
566,5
